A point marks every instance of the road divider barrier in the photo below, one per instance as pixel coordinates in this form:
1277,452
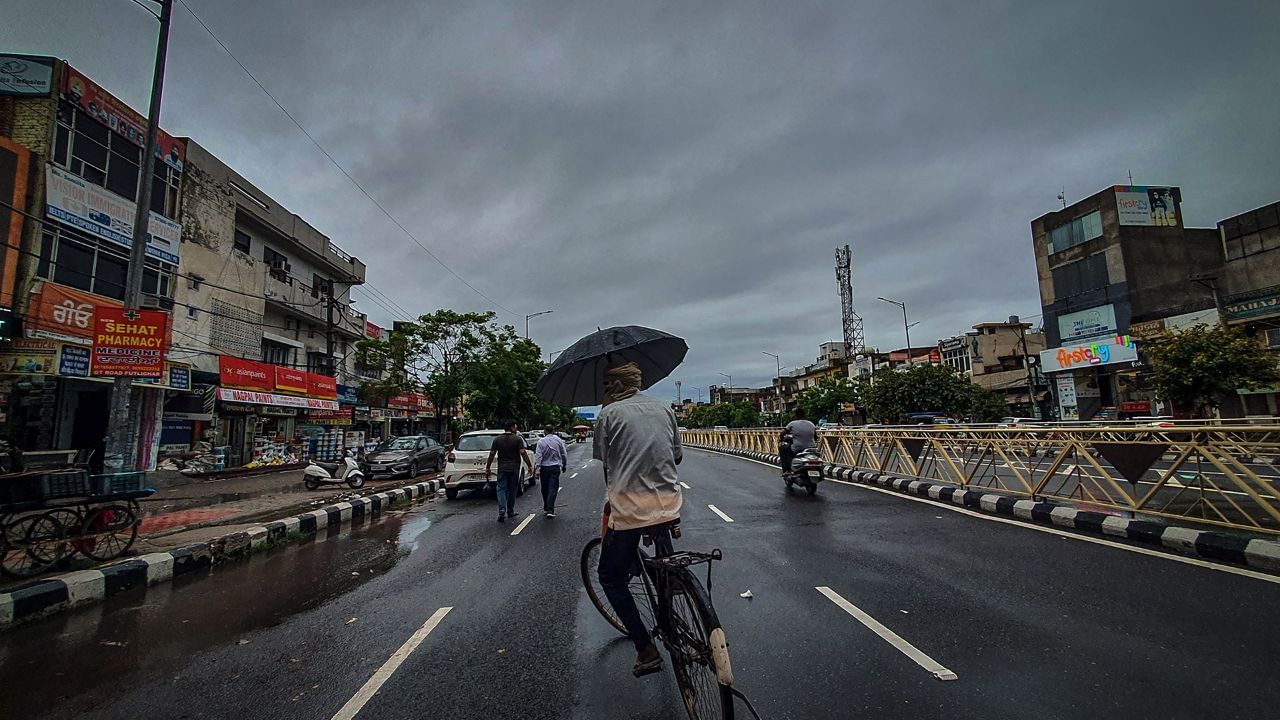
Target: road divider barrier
1080,511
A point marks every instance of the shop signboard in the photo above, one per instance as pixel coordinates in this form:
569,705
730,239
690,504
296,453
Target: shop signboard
290,380
348,394
177,376
28,357
100,212
239,408
377,413
1105,351
15,164
62,313
1147,329
274,411
1135,406
122,119
372,331
25,74
73,360
1087,324
330,417
262,398
1256,308
321,386
129,343
1147,206
234,372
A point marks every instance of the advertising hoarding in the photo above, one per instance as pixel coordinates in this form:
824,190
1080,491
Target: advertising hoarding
100,212
1087,324
1108,351
1147,206
129,343
15,165
234,372
261,398
119,117
25,74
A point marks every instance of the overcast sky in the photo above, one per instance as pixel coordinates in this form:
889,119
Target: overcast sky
693,166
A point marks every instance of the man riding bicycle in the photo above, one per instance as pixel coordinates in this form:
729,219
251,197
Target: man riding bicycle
637,440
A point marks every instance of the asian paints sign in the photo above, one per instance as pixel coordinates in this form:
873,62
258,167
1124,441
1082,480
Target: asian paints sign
1110,351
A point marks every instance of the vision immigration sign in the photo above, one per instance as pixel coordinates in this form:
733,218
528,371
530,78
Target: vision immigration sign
129,343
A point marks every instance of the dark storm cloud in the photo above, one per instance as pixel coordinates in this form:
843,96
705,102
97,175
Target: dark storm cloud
694,166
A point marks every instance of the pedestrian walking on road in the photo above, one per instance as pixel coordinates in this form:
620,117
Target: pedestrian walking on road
637,440
551,458
509,449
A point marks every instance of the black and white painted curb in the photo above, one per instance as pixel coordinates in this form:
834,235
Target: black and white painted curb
85,587
1252,552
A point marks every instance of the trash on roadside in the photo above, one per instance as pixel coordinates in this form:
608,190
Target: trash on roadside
353,572
904,612
113,643
747,595
351,621
242,641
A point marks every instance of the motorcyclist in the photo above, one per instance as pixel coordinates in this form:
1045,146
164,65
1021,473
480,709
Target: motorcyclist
797,436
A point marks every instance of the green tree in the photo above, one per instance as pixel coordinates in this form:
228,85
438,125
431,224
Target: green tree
823,401
921,388
1197,368
986,406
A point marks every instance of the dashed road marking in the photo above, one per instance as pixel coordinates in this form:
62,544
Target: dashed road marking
362,696
573,476
929,664
527,519
717,511
685,485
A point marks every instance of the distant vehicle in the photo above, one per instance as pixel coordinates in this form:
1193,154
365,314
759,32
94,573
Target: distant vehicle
828,426
1018,421
406,455
923,418
940,420
720,428
683,429
466,463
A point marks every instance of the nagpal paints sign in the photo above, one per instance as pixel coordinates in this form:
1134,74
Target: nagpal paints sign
1118,349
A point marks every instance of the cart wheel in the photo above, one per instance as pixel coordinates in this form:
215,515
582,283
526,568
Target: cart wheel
15,561
108,531
49,536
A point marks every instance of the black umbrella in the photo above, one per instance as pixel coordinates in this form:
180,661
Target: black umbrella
576,378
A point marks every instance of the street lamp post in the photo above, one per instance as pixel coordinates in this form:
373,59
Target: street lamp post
906,327
777,388
118,438
533,315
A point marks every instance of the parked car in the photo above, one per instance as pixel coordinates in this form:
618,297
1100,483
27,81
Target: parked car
466,462
407,455
1014,422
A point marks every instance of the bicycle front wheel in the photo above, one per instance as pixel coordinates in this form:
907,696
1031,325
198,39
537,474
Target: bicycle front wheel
699,654
636,584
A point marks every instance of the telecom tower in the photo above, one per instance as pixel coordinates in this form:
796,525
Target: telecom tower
854,340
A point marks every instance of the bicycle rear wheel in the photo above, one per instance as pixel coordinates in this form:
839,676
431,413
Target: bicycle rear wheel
699,656
591,580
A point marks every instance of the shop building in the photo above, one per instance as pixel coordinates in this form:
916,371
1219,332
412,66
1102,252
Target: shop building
1003,358
1118,257
1249,292
833,361
83,152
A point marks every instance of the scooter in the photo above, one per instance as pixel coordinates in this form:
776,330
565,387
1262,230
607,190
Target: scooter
806,470
348,471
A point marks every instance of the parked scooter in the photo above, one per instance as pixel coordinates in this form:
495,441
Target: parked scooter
347,471
805,471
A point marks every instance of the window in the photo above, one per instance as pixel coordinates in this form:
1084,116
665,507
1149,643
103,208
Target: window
87,148
193,313
1273,337
1076,232
70,257
320,286
277,353
319,363
242,242
1081,276
278,264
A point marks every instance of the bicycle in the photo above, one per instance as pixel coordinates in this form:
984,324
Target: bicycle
678,609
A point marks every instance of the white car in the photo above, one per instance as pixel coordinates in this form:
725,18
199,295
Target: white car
466,461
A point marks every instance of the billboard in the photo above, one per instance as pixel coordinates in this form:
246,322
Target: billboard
15,164
25,74
1086,324
120,118
1147,206
1104,351
79,203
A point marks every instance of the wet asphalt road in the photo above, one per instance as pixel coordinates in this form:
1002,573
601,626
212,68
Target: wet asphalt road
1035,624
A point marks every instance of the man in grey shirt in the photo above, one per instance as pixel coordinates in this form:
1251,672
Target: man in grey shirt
637,440
802,435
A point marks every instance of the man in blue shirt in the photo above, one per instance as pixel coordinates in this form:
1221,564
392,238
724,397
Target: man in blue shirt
549,460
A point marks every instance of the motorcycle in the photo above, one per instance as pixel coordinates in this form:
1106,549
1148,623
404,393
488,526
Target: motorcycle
348,471
805,471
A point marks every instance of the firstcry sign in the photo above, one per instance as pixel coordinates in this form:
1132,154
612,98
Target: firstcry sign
1107,351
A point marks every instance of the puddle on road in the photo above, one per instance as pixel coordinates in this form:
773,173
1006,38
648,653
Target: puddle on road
154,630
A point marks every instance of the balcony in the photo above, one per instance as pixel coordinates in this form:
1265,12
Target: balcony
298,299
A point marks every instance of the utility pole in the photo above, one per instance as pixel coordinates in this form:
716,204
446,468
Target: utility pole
529,317
1026,363
905,326
118,456
777,385
328,333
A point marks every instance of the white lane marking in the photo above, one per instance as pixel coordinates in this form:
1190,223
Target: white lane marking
685,485
929,664
362,696
573,476
717,511
1051,531
527,519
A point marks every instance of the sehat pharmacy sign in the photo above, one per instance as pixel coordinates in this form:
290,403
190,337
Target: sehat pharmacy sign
1106,351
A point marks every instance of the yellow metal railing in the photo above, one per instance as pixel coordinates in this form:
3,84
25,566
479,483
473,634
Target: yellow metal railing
1215,474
